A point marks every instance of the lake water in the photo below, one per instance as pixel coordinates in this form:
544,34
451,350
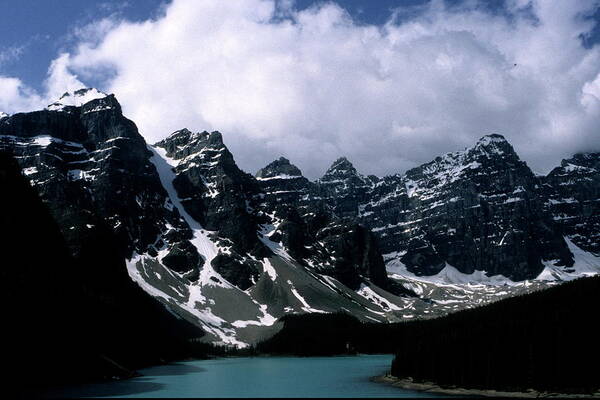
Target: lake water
255,377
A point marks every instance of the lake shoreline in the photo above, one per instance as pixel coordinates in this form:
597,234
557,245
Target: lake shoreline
284,377
430,387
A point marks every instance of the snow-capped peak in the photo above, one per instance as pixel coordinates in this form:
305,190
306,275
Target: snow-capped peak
341,167
3,115
491,138
281,169
76,99
493,144
342,163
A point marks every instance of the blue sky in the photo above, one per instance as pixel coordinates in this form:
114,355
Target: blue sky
39,30
309,84
33,32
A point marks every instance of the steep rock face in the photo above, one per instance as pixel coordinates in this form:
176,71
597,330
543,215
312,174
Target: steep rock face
344,188
213,189
573,198
355,254
286,199
217,194
80,318
386,211
180,219
282,183
313,224
91,166
478,210
279,169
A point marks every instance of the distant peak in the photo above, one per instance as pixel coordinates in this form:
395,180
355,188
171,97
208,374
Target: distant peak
341,167
494,144
279,168
342,159
586,160
187,136
181,132
76,98
492,138
215,137
186,139
341,163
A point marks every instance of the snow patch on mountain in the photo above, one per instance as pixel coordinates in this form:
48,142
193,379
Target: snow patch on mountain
449,275
139,267
586,264
40,140
280,176
305,306
368,293
269,269
206,247
77,99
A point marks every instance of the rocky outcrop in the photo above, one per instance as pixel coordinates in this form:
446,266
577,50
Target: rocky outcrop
220,196
92,167
477,209
315,225
573,198
344,188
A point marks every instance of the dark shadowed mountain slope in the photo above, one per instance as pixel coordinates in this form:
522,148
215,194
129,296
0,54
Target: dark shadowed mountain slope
545,340
72,318
573,198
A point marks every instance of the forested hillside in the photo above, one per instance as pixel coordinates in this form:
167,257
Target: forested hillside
544,340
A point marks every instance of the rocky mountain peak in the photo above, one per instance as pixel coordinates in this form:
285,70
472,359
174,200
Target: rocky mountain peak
3,115
491,152
280,168
183,143
491,138
76,99
582,160
572,192
342,164
341,170
493,145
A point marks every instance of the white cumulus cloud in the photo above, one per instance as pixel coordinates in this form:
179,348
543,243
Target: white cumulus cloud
313,85
16,96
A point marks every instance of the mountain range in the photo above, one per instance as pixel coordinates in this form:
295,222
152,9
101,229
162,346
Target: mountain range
232,253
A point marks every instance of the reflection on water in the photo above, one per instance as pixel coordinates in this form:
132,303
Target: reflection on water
254,377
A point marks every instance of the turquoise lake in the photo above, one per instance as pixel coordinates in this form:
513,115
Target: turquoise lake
255,377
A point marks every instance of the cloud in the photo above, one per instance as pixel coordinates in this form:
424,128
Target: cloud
16,96
11,53
313,85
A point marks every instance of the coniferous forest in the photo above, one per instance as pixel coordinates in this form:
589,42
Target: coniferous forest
545,340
